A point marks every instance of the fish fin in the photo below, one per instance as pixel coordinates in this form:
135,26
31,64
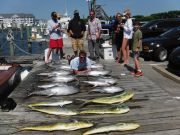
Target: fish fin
84,104
30,94
83,100
15,132
78,82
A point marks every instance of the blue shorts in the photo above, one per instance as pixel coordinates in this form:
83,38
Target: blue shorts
136,54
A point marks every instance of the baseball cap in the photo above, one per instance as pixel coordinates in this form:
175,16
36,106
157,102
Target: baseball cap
76,12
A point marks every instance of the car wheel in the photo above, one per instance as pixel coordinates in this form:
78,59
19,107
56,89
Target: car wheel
160,54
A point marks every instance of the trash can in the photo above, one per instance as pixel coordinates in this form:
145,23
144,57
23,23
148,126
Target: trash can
107,51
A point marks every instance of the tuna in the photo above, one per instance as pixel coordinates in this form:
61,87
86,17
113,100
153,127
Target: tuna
110,90
97,83
98,73
61,79
55,73
56,91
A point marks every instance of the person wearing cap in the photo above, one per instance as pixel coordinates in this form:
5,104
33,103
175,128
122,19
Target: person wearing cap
93,35
76,29
136,49
127,35
54,29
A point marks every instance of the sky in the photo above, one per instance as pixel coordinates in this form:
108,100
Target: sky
42,9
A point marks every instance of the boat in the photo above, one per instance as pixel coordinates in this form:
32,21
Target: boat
9,79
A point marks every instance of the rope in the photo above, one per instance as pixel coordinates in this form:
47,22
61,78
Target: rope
1,46
20,40
21,49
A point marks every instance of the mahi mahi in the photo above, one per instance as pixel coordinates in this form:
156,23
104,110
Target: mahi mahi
60,103
59,126
113,127
121,98
56,111
113,110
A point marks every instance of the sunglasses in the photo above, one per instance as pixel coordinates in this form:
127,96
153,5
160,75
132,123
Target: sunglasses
82,57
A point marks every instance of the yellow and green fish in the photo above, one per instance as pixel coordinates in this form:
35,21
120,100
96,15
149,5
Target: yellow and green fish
113,127
113,110
59,126
121,98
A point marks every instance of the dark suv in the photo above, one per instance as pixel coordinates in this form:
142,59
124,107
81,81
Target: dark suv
156,27
161,46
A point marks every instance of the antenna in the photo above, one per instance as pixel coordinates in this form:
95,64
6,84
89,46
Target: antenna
66,13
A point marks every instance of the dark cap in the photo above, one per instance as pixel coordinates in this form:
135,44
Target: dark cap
76,12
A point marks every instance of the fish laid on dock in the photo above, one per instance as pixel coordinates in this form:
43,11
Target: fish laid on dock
109,90
49,85
121,98
97,83
113,110
59,126
56,91
113,127
60,79
108,80
55,73
60,103
56,111
98,73
97,66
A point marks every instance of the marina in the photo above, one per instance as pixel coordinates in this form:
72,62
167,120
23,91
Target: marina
153,108
65,93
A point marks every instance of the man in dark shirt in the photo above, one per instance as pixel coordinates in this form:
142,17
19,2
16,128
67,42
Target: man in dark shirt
76,29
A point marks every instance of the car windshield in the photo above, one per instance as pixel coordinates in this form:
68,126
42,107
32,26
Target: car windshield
148,24
171,32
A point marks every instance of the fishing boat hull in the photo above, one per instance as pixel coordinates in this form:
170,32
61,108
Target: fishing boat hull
9,79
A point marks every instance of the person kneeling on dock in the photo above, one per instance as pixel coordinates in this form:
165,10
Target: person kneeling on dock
81,64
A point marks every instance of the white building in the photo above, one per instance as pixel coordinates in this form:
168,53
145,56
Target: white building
17,18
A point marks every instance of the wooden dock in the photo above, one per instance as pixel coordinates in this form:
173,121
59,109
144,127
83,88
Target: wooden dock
152,107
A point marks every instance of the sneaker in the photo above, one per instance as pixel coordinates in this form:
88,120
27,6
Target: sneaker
139,73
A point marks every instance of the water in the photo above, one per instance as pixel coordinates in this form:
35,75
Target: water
37,48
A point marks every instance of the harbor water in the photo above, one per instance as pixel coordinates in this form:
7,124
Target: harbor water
20,44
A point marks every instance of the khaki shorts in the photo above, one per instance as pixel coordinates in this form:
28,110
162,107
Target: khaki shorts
77,44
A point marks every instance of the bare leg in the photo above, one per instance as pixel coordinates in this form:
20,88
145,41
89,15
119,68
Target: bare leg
127,52
48,55
137,64
124,47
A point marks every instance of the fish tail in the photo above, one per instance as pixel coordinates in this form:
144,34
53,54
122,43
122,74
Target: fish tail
85,102
17,130
30,94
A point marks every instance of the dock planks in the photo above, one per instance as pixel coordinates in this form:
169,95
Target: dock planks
152,107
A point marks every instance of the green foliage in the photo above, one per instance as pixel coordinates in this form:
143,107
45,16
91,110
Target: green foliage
170,14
